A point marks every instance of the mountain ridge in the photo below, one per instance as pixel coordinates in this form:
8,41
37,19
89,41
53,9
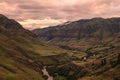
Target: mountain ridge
22,54
92,29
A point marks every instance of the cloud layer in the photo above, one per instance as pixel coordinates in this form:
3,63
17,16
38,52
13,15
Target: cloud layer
42,13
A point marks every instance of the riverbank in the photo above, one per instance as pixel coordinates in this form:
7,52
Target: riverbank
45,72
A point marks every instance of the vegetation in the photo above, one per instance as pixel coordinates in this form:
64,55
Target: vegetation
22,54
89,52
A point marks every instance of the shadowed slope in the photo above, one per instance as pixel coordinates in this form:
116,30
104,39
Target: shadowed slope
22,55
83,32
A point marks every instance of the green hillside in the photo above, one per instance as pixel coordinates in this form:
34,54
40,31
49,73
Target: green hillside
22,55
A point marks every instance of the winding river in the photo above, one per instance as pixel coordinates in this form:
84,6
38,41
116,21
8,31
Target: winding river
45,72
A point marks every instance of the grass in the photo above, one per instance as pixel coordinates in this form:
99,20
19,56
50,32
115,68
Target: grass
17,52
22,56
47,50
12,70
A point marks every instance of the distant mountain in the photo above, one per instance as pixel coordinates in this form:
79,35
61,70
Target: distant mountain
85,31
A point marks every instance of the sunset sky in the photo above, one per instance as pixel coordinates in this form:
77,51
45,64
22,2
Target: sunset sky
43,13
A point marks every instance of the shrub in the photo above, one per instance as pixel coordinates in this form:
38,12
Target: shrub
45,77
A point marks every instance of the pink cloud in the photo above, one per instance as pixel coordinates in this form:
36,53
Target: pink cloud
66,10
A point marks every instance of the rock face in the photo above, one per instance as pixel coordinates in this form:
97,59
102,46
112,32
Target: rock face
96,29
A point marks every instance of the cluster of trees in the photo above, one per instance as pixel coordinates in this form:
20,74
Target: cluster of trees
112,63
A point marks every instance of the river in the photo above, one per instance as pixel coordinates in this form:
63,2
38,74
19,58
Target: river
45,72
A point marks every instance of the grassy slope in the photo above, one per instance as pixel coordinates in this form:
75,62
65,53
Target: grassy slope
22,56
110,73
91,69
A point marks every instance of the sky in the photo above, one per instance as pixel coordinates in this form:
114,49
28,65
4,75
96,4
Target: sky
34,14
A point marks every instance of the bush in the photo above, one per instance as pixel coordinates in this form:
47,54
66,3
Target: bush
10,78
45,77
59,78
113,63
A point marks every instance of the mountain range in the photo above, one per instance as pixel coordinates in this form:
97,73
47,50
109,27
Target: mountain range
93,39
87,49
83,32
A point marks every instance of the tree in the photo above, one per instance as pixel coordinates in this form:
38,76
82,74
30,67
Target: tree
118,60
103,62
